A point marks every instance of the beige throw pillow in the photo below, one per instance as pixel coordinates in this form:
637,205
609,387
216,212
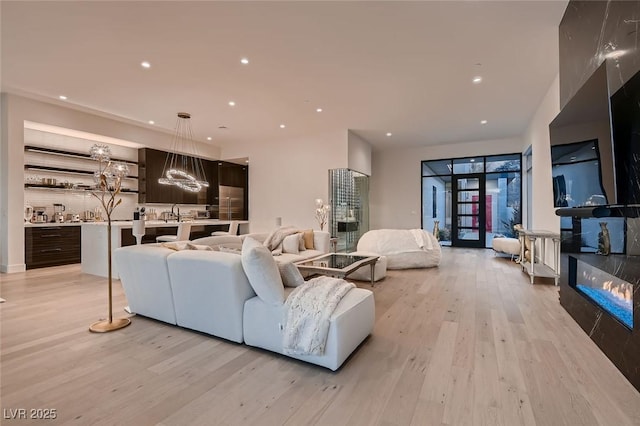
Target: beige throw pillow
307,235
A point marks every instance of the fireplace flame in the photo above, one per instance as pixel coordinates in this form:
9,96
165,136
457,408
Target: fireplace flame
622,291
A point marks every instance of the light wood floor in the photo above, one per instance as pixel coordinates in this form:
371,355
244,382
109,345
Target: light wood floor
470,342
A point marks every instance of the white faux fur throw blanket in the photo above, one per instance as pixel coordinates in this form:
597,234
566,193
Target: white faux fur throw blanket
275,238
308,309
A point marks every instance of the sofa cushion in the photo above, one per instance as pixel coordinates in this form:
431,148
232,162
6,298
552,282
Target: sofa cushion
262,272
290,274
291,244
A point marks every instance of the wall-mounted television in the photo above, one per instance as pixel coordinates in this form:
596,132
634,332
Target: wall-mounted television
576,173
582,159
610,128
625,122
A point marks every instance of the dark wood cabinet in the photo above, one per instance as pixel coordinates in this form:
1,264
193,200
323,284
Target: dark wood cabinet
231,174
51,246
235,175
151,164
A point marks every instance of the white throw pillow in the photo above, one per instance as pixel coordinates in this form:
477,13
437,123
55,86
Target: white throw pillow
291,244
290,274
262,272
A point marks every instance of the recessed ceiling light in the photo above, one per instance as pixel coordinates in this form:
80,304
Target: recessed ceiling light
152,122
318,109
282,126
145,64
231,103
63,97
477,79
244,61
483,122
389,134
208,138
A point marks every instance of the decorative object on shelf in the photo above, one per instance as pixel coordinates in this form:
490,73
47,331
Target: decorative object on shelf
322,212
109,180
28,213
185,172
604,242
436,229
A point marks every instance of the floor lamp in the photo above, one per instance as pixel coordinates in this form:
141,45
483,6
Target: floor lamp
109,180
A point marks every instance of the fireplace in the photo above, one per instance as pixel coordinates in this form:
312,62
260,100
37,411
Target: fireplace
608,292
598,292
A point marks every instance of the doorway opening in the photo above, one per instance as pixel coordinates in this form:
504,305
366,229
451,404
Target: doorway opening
468,201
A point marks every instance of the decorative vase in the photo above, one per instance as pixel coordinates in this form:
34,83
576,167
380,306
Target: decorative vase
436,229
604,242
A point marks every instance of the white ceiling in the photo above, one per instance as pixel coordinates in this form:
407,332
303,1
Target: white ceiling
374,67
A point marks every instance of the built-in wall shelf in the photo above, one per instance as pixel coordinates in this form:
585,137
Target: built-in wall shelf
32,148
62,188
65,170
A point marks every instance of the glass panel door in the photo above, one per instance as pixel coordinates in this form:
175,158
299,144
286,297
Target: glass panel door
469,211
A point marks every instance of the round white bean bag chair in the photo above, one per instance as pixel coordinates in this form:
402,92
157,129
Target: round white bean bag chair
403,248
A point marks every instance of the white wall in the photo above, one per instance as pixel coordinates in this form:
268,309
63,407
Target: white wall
537,136
287,175
359,154
396,178
15,111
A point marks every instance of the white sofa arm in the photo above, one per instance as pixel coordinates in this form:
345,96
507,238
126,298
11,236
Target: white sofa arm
321,241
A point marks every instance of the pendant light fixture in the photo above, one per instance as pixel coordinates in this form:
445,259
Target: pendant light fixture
182,170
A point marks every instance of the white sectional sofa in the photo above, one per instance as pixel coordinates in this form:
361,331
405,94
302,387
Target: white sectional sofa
209,291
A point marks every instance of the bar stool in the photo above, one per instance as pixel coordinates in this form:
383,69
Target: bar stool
233,229
184,231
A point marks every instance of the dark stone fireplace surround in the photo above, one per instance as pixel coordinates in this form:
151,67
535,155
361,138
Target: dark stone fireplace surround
588,31
619,344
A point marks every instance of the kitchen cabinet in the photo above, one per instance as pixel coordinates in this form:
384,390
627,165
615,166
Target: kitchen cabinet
151,164
51,246
234,177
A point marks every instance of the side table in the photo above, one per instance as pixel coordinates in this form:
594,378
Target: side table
540,269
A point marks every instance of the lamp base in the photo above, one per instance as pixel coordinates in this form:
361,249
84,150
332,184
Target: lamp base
105,326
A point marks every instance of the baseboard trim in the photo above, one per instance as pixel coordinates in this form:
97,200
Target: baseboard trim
11,269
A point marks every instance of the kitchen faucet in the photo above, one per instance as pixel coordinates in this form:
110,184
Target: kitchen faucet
177,208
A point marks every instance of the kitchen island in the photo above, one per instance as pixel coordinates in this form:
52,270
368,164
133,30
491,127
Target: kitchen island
94,238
